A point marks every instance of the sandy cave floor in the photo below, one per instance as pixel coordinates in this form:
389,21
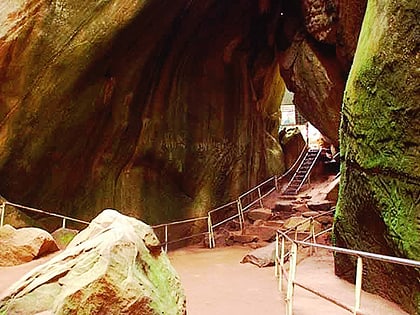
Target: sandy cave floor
215,282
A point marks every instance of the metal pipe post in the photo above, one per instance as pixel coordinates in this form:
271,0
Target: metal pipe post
276,259
358,286
281,264
259,195
291,279
166,238
64,223
240,213
2,214
212,243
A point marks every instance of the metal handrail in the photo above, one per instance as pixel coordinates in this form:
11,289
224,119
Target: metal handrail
280,271
211,226
63,217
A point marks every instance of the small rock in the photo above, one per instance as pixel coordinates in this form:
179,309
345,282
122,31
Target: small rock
19,246
264,233
63,236
243,239
258,222
259,214
320,205
278,224
309,214
283,206
261,257
325,219
301,208
304,226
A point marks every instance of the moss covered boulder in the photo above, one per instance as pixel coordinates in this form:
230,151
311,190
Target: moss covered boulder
379,208
114,266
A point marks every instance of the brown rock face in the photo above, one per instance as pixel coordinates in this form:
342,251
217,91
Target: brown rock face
25,244
159,109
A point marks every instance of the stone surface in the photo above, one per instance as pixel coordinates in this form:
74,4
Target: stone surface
317,82
309,214
243,238
378,208
292,144
283,206
263,233
25,244
115,263
332,190
301,208
259,214
164,110
350,17
321,18
261,257
63,236
324,205
302,224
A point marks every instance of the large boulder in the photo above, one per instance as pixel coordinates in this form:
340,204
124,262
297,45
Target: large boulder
22,245
317,82
378,208
292,144
165,109
114,266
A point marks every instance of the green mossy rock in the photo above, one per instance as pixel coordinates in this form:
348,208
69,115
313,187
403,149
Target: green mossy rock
379,208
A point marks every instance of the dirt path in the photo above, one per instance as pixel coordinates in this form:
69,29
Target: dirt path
216,283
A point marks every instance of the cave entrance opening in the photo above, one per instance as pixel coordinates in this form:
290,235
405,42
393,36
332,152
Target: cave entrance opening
291,118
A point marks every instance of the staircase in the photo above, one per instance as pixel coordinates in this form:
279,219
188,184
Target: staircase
302,173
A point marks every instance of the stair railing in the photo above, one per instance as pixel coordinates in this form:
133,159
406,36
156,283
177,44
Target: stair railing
309,170
290,276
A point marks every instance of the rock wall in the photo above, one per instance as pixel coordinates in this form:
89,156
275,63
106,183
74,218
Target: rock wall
162,109
378,208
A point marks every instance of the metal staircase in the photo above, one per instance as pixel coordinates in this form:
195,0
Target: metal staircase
303,172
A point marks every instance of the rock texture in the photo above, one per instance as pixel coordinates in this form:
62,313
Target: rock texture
19,246
292,144
378,208
161,109
115,266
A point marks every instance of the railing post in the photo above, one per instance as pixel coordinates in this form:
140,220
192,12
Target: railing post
64,223
260,197
313,250
276,184
212,243
276,259
358,286
2,214
291,279
166,238
240,214
281,264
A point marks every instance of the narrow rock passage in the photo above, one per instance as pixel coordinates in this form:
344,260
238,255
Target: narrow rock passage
216,283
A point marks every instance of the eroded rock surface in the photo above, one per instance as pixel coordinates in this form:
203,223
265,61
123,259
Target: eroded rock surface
114,266
160,109
378,208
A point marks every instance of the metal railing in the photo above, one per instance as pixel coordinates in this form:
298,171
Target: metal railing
62,217
290,277
262,190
